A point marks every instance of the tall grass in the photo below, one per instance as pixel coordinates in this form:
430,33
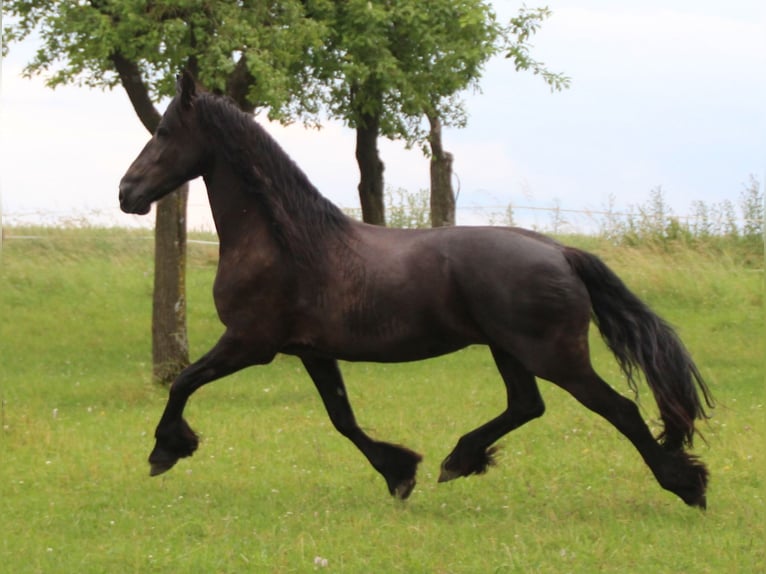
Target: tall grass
274,488
725,226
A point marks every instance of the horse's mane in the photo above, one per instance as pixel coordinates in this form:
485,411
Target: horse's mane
299,214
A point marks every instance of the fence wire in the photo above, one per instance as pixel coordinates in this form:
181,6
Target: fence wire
553,219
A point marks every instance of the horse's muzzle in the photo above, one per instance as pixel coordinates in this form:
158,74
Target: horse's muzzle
130,201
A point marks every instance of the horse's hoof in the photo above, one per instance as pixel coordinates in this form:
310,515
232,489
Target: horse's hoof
160,462
160,467
404,489
157,468
700,503
446,474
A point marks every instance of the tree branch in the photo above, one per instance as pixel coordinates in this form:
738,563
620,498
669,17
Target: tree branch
138,93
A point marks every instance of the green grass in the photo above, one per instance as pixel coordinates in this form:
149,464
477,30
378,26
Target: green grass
274,488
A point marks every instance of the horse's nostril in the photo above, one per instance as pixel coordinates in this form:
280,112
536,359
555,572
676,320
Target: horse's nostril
124,190
124,194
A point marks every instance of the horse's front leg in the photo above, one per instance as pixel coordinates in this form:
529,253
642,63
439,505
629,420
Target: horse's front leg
397,464
174,437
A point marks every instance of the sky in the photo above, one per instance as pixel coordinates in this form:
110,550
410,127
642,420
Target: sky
663,94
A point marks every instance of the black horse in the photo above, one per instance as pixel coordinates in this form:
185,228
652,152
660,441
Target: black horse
297,276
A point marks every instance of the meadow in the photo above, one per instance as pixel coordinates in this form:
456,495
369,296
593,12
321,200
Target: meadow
274,488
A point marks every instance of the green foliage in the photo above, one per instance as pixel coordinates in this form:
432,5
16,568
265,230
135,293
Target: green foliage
517,48
753,210
408,210
275,41
390,60
397,60
404,209
711,226
274,488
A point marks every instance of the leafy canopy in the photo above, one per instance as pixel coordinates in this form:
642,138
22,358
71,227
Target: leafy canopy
269,44
393,60
399,59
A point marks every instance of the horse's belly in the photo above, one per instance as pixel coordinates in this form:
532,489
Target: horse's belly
385,341
402,351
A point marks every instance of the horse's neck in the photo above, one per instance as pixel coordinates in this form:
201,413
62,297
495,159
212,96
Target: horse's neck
243,221
238,217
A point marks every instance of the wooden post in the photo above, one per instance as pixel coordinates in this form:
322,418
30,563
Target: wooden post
170,346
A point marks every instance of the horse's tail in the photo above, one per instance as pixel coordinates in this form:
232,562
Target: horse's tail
642,340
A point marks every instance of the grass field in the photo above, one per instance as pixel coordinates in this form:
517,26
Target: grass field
274,488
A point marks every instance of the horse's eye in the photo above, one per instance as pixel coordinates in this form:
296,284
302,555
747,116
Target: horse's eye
162,132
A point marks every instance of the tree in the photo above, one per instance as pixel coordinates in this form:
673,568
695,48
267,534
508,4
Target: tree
516,46
257,52
387,63
170,343
442,195
513,40
390,64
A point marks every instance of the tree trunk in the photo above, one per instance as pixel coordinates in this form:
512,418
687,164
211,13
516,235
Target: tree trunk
370,170
442,196
170,346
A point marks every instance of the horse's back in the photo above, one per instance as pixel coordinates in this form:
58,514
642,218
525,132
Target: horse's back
493,271
521,267
521,293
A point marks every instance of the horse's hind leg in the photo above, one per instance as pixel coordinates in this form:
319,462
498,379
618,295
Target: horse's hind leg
676,471
473,452
397,464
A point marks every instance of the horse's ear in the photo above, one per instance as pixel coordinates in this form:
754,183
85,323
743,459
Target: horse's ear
186,88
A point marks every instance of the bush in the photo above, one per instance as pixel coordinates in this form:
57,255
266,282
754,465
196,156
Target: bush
710,226
408,210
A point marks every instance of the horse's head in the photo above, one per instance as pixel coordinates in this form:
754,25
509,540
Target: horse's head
172,157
